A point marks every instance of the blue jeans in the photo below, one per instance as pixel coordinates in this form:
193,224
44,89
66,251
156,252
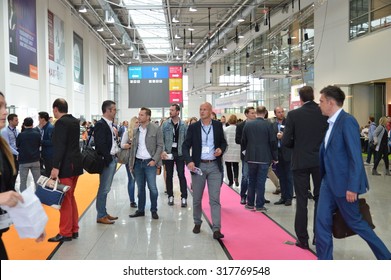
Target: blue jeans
145,174
130,184
256,185
244,182
105,181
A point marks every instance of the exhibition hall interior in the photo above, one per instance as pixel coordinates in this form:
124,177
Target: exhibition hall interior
233,54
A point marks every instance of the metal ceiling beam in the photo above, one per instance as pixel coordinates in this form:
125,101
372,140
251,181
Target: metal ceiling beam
70,6
121,30
199,53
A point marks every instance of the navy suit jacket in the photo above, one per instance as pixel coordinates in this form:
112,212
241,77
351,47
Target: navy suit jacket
47,145
341,164
259,141
193,140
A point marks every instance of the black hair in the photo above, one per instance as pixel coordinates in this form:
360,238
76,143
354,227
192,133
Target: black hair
335,93
44,115
107,105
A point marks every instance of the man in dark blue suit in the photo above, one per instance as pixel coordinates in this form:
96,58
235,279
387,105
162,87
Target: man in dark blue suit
46,130
206,140
343,177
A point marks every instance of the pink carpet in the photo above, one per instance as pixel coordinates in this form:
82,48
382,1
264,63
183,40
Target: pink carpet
251,235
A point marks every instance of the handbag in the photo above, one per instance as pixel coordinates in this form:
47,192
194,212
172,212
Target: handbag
123,156
92,162
341,229
50,192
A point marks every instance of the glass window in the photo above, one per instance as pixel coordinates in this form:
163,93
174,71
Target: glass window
381,17
368,15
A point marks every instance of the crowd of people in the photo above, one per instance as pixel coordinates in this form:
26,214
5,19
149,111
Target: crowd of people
289,150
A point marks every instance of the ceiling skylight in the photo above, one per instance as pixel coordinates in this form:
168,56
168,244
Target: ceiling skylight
150,21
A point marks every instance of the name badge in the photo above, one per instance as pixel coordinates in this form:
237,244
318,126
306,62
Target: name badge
174,145
205,150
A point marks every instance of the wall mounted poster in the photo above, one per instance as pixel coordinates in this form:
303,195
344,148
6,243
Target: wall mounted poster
78,67
56,41
22,27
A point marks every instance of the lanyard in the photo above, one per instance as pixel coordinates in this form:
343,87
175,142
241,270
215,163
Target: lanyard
175,128
13,131
207,133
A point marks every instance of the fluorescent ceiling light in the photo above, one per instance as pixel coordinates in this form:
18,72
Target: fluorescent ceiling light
177,36
191,28
100,29
192,9
82,9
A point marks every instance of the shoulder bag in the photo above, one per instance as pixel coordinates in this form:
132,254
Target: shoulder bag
93,163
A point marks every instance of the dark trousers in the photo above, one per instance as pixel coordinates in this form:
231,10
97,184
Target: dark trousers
47,162
301,182
232,166
382,153
284,173
180,168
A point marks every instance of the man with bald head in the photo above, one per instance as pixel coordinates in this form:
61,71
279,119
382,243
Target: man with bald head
207,141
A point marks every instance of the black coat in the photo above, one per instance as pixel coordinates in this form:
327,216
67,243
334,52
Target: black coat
103,137
67,157
304,132
28,143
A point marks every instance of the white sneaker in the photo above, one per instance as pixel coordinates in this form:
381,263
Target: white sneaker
171,200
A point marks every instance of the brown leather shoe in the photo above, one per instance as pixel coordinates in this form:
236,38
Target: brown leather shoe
111,218
104,220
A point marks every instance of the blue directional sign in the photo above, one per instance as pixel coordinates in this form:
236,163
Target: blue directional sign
134,72
155,72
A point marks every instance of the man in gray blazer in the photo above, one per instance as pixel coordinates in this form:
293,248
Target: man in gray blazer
260,145
147,146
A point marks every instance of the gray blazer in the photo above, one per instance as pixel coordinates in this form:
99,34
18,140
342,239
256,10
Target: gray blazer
153,141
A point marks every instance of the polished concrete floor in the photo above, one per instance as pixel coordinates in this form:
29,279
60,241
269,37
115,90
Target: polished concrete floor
171,238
